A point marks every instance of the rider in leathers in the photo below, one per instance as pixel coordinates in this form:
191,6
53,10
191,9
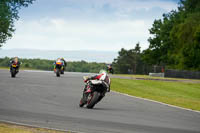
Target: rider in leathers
17,62
99,76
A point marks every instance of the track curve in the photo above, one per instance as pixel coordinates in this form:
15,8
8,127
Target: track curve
42,99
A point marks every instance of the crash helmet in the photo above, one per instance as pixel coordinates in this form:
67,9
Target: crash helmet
58,60
102,71
15,59
103,74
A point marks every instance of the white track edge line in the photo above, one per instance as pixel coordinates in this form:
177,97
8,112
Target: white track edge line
174,106
35,126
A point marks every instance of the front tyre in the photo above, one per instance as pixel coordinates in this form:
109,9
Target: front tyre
92,99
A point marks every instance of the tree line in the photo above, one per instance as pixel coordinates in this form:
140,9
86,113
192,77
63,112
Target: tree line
176,38
43,64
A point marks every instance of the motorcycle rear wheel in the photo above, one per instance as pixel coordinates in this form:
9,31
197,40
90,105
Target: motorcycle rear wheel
13,73
57,73
93,100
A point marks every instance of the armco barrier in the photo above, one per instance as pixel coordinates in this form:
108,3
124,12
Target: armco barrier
182,74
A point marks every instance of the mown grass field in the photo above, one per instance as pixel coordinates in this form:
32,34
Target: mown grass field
181,94
10,128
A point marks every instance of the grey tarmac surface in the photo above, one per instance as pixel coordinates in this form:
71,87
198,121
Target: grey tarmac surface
42,99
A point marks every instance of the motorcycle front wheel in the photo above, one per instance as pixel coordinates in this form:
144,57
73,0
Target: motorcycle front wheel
81,104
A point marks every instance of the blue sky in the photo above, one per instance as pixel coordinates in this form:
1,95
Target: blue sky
106,25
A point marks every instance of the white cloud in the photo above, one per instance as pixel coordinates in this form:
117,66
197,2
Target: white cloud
56,34
86,24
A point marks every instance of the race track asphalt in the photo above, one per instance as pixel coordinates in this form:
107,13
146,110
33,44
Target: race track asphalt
42,99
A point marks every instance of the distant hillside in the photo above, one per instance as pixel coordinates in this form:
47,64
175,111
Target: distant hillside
89,56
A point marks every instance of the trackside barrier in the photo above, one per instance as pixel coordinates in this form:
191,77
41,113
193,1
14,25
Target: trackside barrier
182,74
156,74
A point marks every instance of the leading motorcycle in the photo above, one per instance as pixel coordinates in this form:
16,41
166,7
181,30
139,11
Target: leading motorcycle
14,69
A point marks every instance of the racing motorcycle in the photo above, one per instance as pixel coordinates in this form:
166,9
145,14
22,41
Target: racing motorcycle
59,68
14,69
110,70
94,91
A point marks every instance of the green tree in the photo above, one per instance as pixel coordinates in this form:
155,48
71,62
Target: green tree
8,14
129,61
186,36
160,43
175,38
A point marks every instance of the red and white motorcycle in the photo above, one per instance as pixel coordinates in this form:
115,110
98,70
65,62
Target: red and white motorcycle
95,89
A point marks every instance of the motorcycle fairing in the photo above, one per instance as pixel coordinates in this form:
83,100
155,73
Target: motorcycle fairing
14,65
96,82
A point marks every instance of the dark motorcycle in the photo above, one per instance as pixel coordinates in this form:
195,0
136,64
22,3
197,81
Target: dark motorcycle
93,93
14,70
110,69
59,68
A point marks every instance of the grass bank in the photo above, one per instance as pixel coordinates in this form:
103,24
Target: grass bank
181,94
11,128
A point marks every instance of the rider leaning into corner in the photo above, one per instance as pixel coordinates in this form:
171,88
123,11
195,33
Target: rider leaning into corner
103,76
16,61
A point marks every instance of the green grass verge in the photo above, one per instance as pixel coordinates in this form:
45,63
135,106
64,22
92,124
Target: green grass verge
150,77
185,95
4,67
11,128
